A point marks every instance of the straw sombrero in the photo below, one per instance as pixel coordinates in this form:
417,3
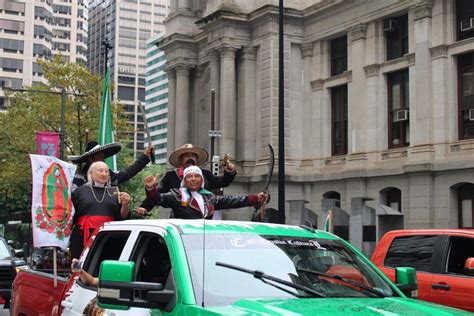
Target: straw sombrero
92,148
201,154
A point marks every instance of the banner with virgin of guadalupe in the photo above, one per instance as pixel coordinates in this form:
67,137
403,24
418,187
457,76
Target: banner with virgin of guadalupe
51,206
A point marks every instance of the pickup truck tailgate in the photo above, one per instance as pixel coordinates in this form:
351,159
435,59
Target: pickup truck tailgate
37,289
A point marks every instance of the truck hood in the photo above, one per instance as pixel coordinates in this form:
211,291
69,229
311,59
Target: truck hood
337,306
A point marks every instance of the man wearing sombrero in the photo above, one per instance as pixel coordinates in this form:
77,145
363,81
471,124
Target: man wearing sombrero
95,152
186,156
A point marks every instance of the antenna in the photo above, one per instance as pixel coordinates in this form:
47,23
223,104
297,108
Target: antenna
203,256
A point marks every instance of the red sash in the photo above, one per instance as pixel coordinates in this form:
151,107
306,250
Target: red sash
87,223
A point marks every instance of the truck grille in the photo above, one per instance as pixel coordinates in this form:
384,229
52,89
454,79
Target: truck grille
6,274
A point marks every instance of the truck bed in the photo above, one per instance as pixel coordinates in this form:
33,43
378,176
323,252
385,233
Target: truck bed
41,293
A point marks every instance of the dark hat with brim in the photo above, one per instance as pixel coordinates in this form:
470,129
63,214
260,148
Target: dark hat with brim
93,148
175,157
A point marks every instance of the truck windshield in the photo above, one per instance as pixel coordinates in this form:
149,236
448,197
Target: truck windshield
293,259
4,251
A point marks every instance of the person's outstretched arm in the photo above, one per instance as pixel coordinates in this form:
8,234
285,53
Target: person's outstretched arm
238,201
132,170
214,182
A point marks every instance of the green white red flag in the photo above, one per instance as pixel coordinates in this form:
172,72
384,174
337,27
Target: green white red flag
51,205
106,134
328,224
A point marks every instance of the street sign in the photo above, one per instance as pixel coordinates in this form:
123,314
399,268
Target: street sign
214,133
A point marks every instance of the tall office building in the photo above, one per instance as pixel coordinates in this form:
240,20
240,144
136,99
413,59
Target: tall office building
32,30
156,98
125,26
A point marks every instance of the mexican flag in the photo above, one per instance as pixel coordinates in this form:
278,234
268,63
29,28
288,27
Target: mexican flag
106,135
328,225
51,206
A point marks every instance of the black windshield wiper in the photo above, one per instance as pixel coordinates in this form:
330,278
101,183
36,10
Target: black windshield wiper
262,276
338,277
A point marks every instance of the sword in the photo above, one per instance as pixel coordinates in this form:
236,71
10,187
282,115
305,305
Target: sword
270,170
259,213
147,130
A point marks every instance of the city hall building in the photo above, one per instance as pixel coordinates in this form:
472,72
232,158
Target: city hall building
379,102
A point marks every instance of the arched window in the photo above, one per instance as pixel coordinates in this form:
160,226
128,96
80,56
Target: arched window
392,197
466,205
333,195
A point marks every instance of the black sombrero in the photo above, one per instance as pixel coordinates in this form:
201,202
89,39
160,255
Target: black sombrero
92,148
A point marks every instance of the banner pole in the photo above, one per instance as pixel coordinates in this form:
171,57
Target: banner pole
55,268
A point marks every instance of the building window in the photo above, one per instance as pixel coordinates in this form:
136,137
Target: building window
464,19
338,55
393,198
126,93
466,96
396,34
398,109
465,207
332,195
339,120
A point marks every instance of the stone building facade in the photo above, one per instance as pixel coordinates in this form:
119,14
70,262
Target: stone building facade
377,100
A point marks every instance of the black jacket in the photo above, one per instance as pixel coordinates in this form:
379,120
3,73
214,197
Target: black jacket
171,180
212,202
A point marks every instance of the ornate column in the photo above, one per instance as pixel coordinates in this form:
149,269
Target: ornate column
422,212
171,110
311,143
228,104
182,105
173,6
246,105
214,68
200,119
421,99
184,4
321,101
357,133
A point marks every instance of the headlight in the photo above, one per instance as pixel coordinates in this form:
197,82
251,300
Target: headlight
17,268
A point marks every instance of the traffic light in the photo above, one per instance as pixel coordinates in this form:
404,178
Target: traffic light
215,165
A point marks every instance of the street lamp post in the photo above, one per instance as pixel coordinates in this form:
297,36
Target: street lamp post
63,93
63,124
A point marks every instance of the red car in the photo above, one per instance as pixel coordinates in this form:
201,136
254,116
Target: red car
443,259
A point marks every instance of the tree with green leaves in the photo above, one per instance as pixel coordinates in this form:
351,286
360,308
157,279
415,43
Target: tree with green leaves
34,109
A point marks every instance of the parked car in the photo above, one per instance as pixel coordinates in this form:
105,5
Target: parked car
197,267
9,265
443,259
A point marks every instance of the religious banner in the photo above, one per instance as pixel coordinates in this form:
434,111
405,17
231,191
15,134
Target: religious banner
51,205
47,144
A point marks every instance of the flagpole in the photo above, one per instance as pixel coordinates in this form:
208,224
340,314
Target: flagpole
105,122
55,268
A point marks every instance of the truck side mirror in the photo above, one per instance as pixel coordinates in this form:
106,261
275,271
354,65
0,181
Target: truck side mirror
112,273
19,253
117,288
469,266
406,281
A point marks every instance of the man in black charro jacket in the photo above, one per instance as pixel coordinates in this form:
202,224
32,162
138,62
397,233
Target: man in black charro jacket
186,156
95,152
193,201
